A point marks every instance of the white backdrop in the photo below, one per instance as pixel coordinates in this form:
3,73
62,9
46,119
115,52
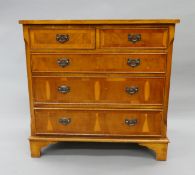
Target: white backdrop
101,158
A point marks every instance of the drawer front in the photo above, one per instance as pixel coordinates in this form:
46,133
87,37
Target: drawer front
98,122
62,39
133,38
129,90
139,63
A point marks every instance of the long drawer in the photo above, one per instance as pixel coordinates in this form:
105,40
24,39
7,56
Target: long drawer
128,63
98,122
131,90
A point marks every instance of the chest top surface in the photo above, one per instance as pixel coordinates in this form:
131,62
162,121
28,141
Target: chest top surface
117,21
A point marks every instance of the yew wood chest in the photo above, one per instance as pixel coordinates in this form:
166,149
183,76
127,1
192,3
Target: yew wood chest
99,81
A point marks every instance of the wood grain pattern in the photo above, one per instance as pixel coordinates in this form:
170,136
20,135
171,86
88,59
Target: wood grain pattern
36,146
159,148
118,38
84,122
29,74
100,139
98,74
95,63
168,74
110,90
78,38
97,105
116,21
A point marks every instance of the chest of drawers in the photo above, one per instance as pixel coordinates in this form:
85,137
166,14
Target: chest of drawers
99,81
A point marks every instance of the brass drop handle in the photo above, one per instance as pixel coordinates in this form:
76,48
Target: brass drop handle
134,38
64,121
132,90
131,122
63,62
64,89
133,62
62,38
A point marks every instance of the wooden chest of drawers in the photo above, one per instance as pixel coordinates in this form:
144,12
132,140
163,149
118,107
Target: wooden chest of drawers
99,81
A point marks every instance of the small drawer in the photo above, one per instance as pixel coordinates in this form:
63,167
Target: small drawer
128,90
98,122
96,63
62,38
134,38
